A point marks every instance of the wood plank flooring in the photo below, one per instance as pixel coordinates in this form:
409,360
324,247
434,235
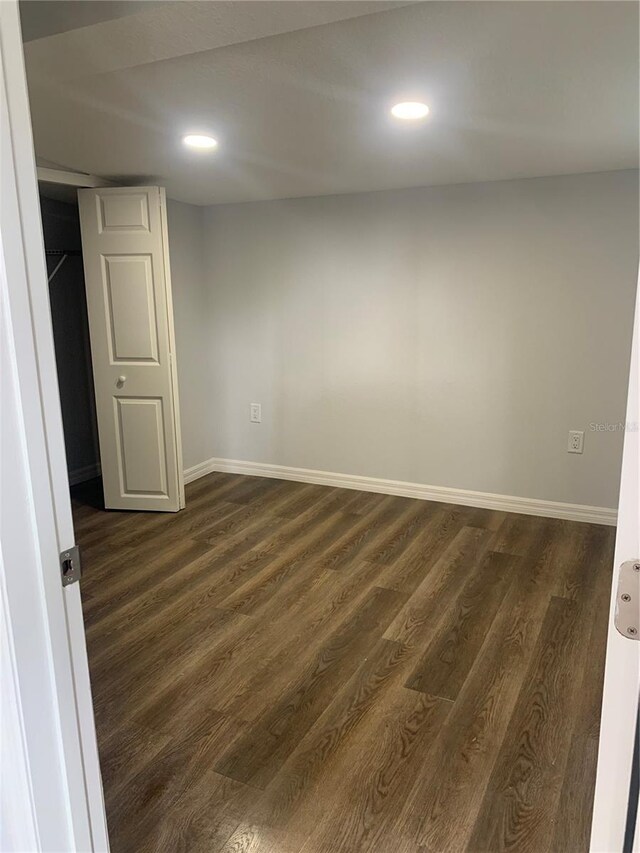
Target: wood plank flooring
285,668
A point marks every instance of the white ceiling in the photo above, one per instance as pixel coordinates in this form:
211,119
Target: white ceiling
298,93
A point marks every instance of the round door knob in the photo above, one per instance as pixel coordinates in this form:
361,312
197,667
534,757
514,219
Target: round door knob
120,381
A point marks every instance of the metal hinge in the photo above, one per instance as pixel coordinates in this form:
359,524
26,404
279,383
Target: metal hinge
70,566
627,617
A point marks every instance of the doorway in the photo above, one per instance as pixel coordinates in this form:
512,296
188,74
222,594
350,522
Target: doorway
67,297
388,611
109,275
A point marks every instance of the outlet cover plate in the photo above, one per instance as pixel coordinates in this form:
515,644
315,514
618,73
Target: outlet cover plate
576,441
255,413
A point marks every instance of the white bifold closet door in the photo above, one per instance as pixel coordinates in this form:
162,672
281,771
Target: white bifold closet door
128,283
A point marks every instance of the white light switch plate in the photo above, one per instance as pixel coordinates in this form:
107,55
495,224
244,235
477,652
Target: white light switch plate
255,413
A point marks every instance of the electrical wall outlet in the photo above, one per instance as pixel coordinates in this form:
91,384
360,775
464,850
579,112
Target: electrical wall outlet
576,441
255,413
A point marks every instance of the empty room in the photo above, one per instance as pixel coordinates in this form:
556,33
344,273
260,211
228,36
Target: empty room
336,548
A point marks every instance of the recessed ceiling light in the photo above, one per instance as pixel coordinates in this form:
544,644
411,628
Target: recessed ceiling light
410,110
197,140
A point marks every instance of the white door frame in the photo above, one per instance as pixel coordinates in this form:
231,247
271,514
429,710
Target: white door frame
64,178
57,761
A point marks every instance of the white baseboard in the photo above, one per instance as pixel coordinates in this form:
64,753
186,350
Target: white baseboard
201,470
81,475
442,494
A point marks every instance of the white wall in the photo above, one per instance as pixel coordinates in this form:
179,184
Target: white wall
449,336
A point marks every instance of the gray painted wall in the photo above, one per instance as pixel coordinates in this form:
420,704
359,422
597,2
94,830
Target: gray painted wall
449,336
191,312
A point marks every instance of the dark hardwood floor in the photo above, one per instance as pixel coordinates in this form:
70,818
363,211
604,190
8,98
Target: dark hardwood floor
285,668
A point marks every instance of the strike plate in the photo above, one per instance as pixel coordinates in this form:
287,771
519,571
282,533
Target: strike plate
627,618
70,567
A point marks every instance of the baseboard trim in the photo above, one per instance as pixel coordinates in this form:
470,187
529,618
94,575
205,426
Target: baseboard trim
201,470
442,494
81,475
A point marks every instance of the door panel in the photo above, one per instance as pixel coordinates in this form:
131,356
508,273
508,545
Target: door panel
129,304
123,212
141,447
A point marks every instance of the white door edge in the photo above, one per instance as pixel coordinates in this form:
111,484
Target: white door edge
172,343
57,713
622,669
